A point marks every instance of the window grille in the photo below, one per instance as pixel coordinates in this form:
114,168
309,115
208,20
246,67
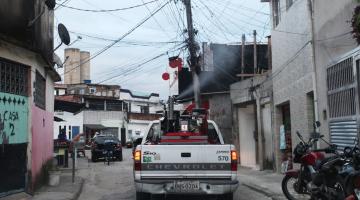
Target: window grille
341,89
340,74
342,103
39,90
14,78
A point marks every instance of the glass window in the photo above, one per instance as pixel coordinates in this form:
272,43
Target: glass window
154,133
39,90
276,12
213,135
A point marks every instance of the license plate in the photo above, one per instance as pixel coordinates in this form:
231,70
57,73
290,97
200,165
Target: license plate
186,186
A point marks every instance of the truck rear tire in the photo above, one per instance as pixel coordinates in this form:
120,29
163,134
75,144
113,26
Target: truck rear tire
143,196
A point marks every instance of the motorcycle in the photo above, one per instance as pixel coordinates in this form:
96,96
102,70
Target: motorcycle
317,177
352,170
108,152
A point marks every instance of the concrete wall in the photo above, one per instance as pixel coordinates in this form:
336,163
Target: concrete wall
109,119
42,143
72,68
331,25
244,107
153,102
247,126
85,65
292,59
97,117
137,126
292,73
220,109
266,113
61,91
70,120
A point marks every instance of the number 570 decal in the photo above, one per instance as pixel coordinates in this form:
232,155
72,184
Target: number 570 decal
223,158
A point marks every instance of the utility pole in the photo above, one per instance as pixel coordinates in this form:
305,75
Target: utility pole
194,64
243,55
315,92
255,54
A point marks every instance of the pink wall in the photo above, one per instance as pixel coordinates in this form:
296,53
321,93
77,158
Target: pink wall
42,139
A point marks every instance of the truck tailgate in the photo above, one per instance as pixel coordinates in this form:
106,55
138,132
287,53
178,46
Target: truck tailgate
186,162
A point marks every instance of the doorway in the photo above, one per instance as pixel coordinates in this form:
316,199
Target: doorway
285,138
247,136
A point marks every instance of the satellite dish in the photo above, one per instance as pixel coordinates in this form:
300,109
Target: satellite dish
50,4
64,34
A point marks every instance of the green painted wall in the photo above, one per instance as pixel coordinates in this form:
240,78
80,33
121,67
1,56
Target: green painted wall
14,111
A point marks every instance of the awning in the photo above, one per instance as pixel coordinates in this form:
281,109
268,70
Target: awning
68,106
95,126
58,119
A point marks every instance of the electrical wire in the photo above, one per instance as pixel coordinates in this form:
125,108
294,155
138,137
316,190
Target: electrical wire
137,67
244,8
212,22
139,59
122,37
282,67
62,4
126,42
154,18
108,10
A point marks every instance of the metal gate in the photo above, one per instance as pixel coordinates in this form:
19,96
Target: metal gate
14,109
342,98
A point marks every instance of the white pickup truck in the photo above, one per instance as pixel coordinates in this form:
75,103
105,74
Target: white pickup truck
192,168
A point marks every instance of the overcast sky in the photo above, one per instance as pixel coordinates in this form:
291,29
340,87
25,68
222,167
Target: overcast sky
217,21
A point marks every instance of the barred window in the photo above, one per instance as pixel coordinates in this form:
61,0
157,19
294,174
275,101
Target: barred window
341,89
342,103
340,74
39,90
14,78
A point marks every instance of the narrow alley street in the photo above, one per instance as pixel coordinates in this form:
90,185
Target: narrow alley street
115,182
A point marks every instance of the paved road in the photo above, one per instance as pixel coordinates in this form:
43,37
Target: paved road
115,182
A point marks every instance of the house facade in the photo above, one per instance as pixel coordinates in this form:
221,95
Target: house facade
27,77
142,108
100,110
309,40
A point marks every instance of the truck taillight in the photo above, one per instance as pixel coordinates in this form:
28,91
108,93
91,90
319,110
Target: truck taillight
137,160
234,159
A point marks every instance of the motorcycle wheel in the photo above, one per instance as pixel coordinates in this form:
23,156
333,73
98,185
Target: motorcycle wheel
340,188
288,185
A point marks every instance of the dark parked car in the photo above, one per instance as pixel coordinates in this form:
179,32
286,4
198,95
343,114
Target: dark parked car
98,147
129,143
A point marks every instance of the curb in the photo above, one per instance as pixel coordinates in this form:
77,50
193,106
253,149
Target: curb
77,193
264,191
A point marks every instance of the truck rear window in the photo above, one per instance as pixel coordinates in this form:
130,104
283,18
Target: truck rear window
156,136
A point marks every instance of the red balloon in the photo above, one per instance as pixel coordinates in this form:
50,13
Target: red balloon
165,76
175,62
